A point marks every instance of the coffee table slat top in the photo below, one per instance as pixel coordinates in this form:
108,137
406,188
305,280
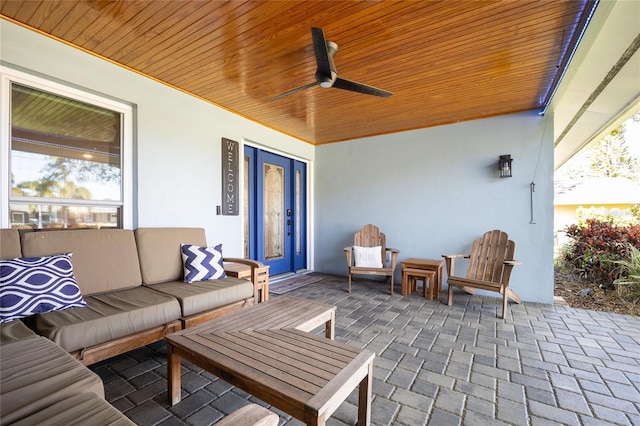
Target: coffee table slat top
341,352
278,355
243,370
272,364
267,351
283,312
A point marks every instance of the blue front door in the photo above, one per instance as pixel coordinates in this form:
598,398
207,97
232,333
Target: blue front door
275,215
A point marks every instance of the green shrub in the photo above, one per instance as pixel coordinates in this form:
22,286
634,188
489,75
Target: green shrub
618,217
628,285
597,246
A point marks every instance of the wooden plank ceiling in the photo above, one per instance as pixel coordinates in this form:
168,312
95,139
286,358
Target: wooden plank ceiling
444,61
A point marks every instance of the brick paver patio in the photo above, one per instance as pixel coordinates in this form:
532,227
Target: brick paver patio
436,365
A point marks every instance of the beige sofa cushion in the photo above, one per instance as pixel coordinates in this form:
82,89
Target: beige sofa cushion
107,317
201,296
103,260
13,331
36,374
159,252
82,409
9,244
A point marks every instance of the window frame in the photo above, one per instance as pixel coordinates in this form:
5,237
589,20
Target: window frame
10,75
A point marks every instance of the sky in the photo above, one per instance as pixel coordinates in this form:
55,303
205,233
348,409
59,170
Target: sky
633,138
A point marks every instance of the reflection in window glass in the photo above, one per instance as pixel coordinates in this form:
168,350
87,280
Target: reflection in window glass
47,216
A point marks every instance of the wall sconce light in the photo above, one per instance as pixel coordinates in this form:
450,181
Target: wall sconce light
504,165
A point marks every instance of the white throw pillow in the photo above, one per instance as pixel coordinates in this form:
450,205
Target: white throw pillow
368,257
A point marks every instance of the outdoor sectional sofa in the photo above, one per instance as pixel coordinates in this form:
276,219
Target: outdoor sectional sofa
41,383
132,283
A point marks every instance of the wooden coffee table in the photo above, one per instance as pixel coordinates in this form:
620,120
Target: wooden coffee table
267,351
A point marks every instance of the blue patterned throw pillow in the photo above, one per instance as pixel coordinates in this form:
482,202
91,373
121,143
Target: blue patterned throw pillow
35,285
202,263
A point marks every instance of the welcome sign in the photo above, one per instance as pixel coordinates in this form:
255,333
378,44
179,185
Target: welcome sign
230,178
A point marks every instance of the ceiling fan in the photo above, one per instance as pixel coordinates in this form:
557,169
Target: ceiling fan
326,74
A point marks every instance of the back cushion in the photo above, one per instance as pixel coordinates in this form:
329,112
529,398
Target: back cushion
159,251
9,244
103,260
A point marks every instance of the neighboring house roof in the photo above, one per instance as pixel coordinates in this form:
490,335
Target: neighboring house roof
596,191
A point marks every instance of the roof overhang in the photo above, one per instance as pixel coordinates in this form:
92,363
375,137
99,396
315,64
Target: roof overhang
601,87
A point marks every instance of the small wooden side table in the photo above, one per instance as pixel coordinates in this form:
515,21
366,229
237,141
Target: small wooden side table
434,265
410,277
242,271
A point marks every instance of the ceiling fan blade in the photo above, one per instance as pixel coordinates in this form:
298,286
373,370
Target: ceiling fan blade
291,92
326,75
353,86
323,61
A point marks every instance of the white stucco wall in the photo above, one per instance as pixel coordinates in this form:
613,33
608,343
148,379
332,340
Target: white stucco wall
177,137
433,191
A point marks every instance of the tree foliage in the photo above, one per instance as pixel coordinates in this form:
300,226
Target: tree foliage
609,157
60,169
51,189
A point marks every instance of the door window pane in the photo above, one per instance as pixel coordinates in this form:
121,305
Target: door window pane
298,214
274,216
245,219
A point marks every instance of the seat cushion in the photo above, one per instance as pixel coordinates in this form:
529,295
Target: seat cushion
103,259
201,296
14,331
36,374
82,409
108,316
